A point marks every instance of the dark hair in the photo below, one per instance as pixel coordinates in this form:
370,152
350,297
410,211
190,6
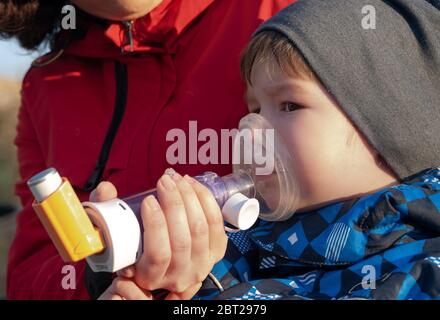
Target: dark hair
33,22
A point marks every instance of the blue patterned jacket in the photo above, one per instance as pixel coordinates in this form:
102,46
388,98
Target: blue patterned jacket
385,245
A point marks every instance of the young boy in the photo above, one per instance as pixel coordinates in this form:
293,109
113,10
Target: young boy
358,110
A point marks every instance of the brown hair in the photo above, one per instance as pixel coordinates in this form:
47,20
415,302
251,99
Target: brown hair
33,22
270,47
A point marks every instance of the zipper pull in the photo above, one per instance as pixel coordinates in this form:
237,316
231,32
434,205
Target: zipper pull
128,38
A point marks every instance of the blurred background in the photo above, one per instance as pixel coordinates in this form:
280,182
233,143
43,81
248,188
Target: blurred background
14,63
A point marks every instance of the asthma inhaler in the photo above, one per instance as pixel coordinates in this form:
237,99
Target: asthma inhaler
109,234
63,216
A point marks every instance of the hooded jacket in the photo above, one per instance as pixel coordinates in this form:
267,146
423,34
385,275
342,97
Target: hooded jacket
101,110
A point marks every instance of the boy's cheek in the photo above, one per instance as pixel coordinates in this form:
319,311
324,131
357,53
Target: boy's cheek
317,168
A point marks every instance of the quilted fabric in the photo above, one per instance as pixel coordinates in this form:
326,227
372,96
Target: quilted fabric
385,245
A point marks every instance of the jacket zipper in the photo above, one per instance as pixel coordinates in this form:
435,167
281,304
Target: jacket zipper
128,37
119,110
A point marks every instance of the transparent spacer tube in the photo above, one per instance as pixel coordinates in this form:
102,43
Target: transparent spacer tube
223,189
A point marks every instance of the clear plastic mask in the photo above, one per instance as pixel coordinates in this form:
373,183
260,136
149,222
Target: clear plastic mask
261,152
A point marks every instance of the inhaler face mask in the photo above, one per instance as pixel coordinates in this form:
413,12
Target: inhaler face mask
261,152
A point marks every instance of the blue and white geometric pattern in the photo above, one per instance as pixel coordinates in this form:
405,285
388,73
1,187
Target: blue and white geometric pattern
321,254
267,262
336,241
254,294
241,241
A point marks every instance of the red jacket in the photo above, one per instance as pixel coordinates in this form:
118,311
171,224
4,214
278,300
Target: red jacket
96,109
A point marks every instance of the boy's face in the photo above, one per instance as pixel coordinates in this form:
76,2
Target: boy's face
331,159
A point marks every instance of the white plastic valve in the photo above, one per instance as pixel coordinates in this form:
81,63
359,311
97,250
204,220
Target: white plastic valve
241,211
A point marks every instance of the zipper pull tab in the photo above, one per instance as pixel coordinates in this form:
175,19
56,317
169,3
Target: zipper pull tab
128,38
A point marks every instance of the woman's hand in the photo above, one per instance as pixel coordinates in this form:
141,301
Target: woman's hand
125,289
129,273
183,237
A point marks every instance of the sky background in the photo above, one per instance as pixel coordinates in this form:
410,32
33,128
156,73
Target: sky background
14,61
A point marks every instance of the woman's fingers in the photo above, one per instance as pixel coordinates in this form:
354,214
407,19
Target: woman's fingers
103,192
156,256
199,230
178,230
128,290
217,236
128,272
186,295
125,289
109,294
199,238
183,236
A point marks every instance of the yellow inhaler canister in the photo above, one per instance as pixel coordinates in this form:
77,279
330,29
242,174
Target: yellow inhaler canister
64,217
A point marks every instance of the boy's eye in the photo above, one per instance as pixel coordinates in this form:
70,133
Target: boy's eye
289,106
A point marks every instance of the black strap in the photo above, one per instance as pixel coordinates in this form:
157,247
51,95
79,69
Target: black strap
118,114
97,282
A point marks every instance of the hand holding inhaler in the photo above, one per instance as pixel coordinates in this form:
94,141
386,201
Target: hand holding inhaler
183,236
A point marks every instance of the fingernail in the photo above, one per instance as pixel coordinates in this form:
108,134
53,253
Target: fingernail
152,203
176,177
189,179
169,171
92,195
97,193
167,182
